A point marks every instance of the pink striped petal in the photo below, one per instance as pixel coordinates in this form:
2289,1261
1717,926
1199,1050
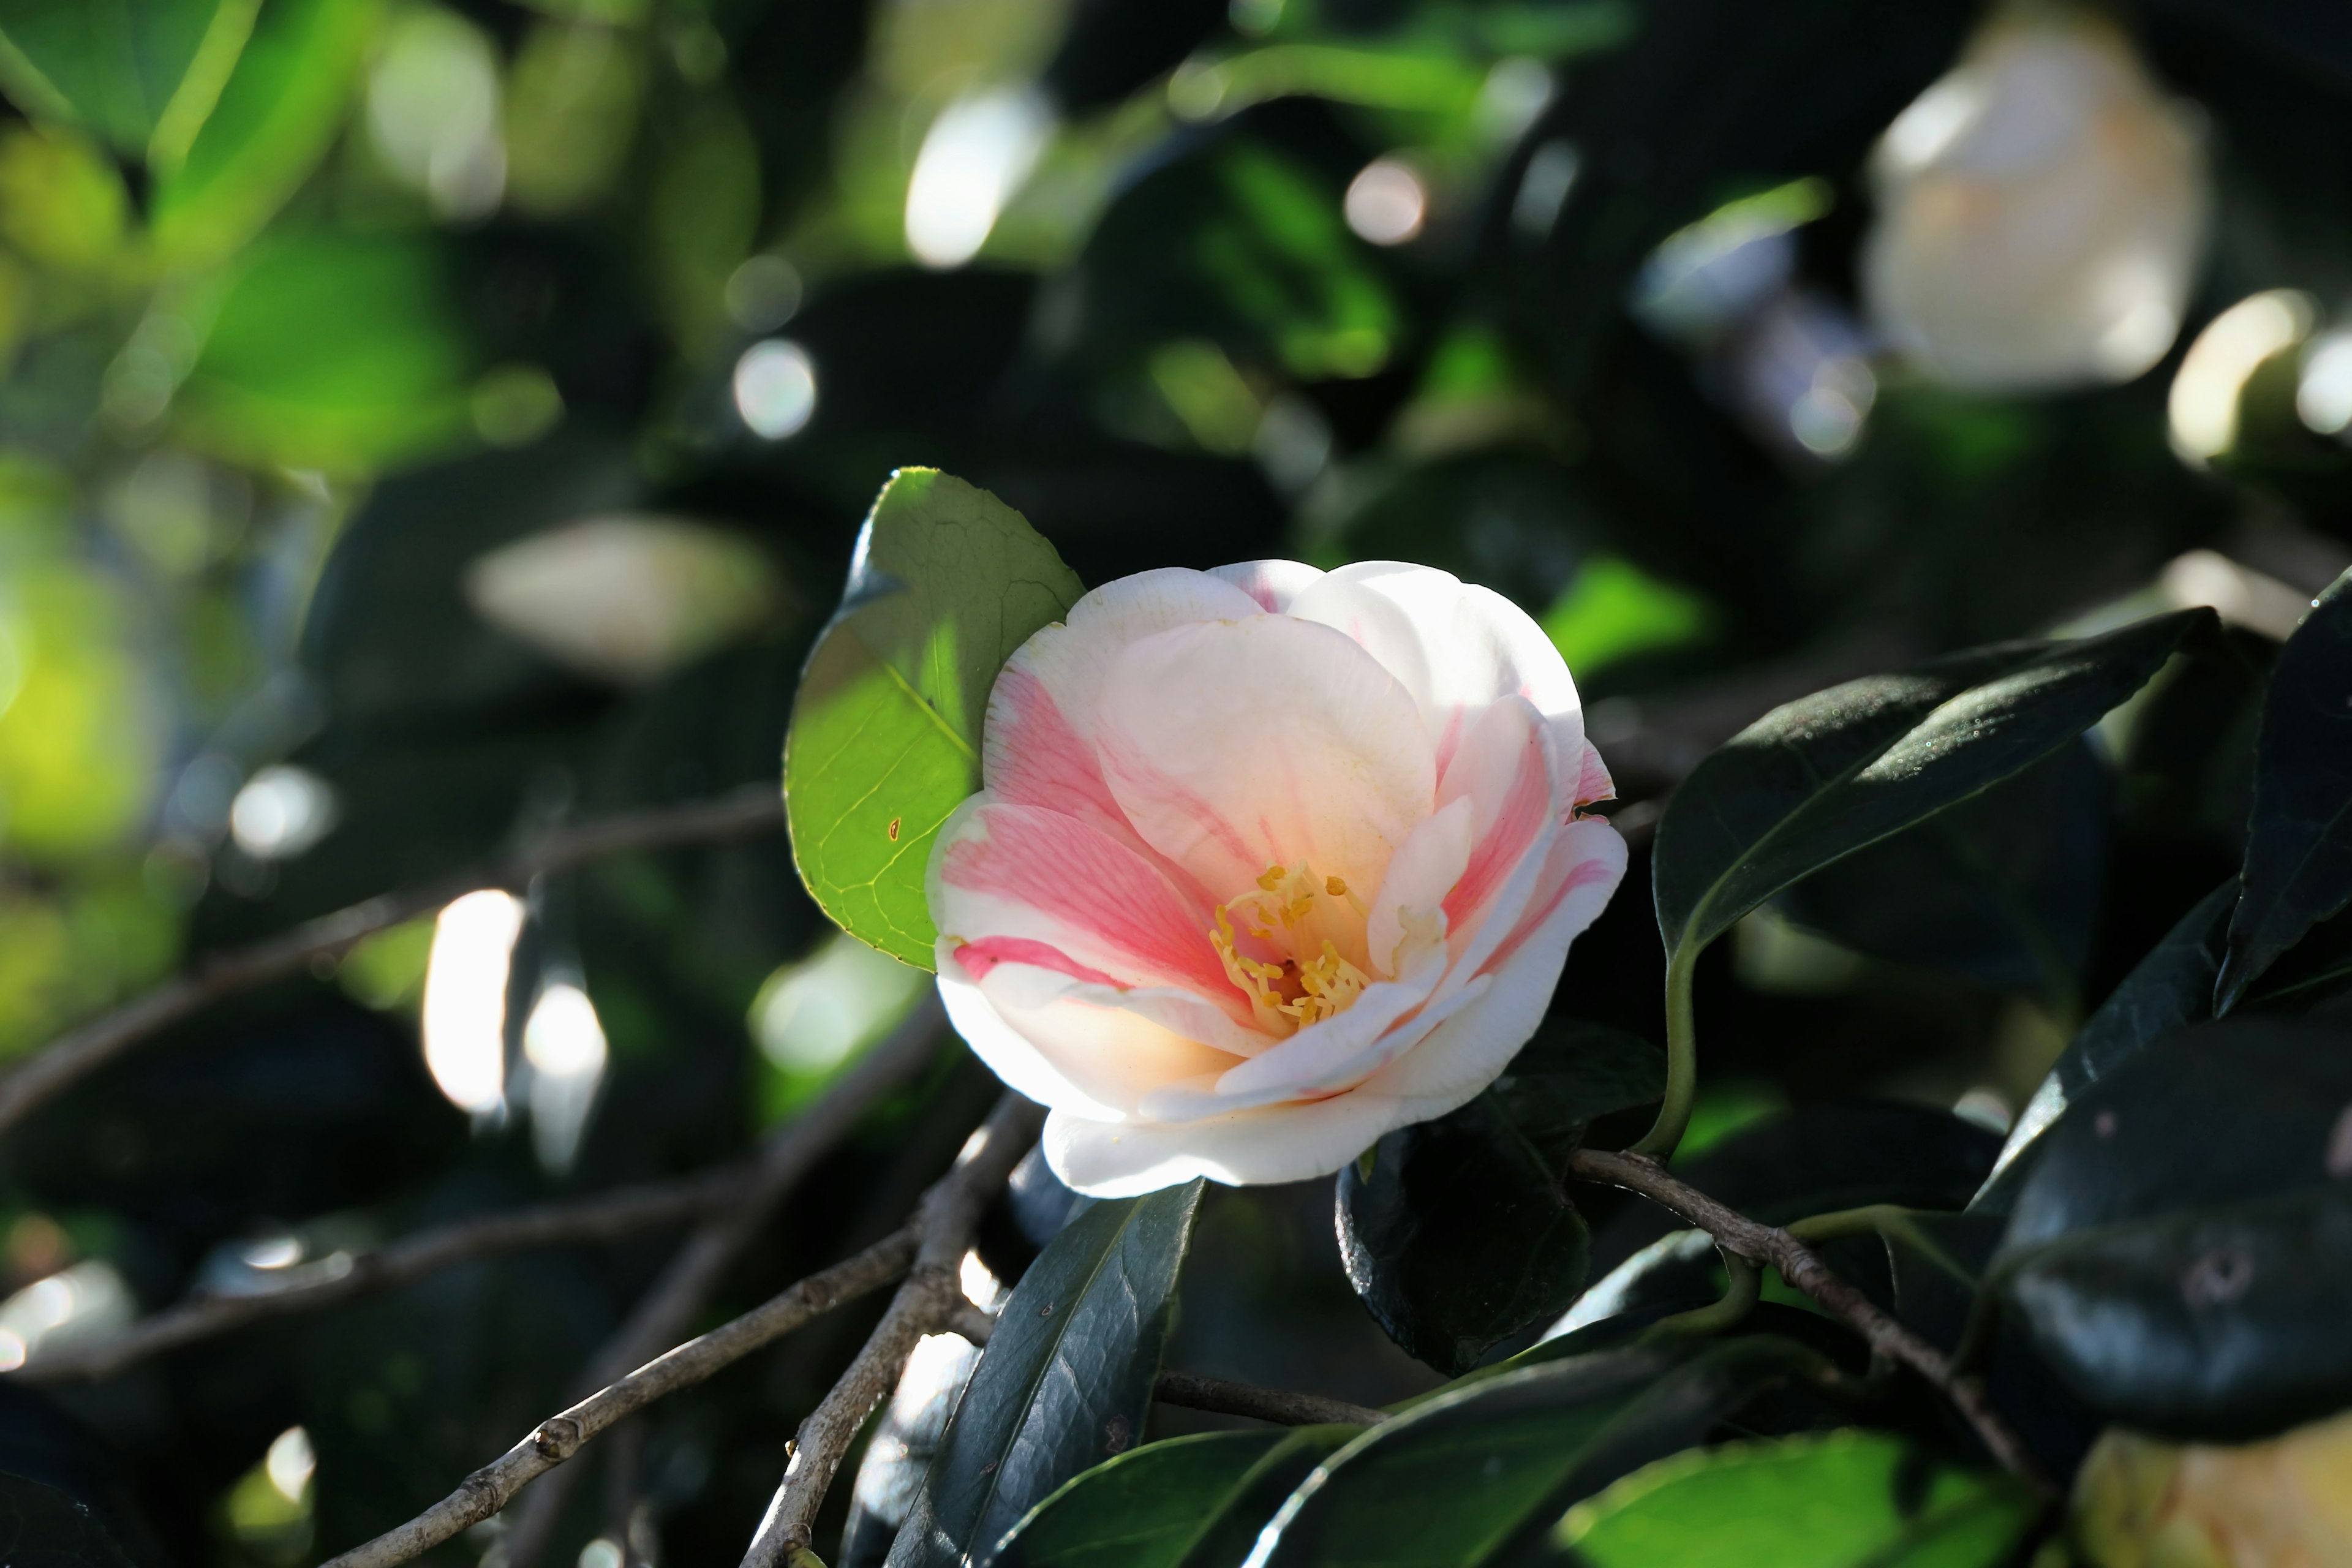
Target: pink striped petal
1022,874
1233,746
1419,877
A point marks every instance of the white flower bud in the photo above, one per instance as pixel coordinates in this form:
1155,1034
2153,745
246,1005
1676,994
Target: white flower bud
2042,209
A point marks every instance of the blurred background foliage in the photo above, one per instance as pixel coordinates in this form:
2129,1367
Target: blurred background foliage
426,423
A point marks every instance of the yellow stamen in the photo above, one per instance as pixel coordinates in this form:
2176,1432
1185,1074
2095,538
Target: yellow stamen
1295,992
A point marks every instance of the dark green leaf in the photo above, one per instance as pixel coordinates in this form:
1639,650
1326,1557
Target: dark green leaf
1152,1508
1227,1537
2298,867
41,1527
947,584
2182,1247
129,72
277,113
1461,1231
1821,777
1839,1499
1475,1476
2002,888
1066,1382
2172,986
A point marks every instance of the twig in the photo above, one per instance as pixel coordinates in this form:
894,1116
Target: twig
925,1301
1801,1269
556,1439
607,1217
987,1161
81,1051
1279,1406
668,1309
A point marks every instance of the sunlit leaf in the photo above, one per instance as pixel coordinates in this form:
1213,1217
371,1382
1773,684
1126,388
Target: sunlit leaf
1839,1499
948,581
128,72
277,113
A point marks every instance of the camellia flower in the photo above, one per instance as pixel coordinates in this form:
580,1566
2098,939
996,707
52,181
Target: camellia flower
1267,862
2041,212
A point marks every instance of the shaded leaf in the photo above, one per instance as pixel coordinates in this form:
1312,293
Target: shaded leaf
2298,869
904,1441
947,584
2002,888
1821,777
2172,986
1839,1499
1460,1232
1066,1382
2182,1249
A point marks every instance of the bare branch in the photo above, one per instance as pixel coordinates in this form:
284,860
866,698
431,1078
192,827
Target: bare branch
957,1198
78,1053
925,1302
1279,1406
607,1217
1802,1268
669,1308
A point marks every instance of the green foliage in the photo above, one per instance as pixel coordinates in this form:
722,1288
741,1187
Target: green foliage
1821,777
2196,1297
1839,1500
1065,1381
946,582
1460,1232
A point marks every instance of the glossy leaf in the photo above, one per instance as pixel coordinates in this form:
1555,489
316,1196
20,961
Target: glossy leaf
277,113
2182,1249
1460,1232
1475,1477
2298,869
1066,1382
2002,888
1839,1499
129,72
1821,777
2171,987
946,582
1187,1502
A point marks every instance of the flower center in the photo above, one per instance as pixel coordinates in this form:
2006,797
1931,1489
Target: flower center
1280,945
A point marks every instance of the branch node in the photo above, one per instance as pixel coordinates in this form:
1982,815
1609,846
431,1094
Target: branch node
557,1438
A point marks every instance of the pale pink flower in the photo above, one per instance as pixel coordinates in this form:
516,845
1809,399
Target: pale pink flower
1268,862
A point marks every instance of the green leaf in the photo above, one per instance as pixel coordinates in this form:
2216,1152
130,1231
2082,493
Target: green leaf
1461,1232
1837,1500
2002,888
131,70
947,584
2182,1249
1188,1502
2171,987
332,351
1821,777
277,114
42,1527
1066,1382
2298,867
1475,1477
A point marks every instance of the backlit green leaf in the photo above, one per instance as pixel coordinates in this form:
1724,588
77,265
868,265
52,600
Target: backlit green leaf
946,582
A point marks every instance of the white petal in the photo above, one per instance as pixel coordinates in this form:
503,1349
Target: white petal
1279,1144
1042,1035
1274,584
1232,746
1456,646
1466,1053
1420,876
